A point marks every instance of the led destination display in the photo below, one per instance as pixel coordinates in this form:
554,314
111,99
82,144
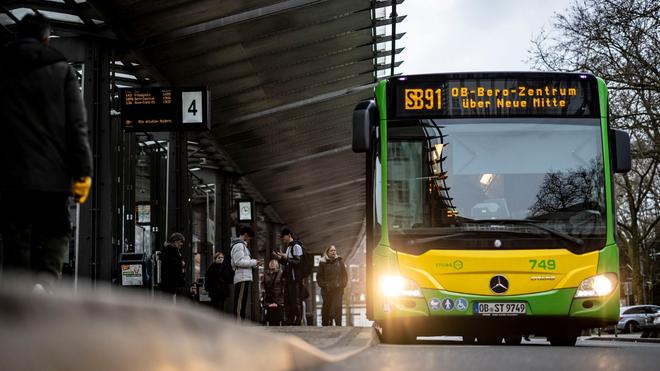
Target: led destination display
164,109
489,96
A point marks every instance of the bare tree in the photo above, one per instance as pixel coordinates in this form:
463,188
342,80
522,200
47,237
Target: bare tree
619,41
561,190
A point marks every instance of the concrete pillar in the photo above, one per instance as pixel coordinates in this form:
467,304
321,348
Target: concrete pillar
179,214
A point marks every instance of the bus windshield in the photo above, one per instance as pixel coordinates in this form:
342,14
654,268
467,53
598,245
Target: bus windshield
495,183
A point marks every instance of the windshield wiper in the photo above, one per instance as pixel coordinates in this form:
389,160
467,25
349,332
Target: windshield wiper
527,223
434,238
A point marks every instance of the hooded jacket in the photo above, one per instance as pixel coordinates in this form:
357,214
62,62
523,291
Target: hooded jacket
241,261
216,282
332,273
42,120
171,269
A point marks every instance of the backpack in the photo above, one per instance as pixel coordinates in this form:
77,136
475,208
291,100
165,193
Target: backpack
227,270
306,261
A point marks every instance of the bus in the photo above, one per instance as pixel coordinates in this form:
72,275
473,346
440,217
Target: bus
490,206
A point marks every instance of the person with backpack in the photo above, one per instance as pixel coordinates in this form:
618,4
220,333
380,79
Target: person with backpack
293,260
332,278
242,264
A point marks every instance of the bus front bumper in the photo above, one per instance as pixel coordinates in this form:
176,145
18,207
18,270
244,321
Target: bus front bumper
441,312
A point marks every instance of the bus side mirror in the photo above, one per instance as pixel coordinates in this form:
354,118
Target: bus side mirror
620,141
365,117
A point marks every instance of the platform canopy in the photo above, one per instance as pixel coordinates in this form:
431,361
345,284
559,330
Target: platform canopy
284,78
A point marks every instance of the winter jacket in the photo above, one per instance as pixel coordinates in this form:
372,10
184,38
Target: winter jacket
43,124
171,269
241,261
215,280
274,288
332,273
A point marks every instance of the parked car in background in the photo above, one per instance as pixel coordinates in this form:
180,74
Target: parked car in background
656,319
634,316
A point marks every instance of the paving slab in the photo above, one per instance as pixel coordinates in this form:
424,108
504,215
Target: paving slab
340,341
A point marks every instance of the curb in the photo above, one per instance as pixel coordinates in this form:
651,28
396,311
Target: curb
627,340
354,342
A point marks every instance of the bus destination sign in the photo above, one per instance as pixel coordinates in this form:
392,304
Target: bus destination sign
527,95
164,109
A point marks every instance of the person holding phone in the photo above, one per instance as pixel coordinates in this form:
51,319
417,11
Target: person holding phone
242,264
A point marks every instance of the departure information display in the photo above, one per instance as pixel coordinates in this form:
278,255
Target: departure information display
164,109
494,95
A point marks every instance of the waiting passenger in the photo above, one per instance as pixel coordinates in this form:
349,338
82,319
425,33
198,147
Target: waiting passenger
173,266
273,297
216,281
242,264
332,278
291,259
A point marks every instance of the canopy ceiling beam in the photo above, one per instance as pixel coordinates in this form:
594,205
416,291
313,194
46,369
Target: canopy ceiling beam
214,24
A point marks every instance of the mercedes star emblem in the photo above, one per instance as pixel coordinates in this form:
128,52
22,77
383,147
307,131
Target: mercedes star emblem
499,284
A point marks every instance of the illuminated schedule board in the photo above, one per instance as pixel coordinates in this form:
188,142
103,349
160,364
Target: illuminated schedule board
164,109
494,95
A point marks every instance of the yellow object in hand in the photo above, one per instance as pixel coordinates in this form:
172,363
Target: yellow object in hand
80,189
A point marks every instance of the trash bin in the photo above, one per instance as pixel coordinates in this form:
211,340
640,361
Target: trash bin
134,270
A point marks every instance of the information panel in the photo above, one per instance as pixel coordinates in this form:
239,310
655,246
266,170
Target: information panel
494,95
131,275
164,109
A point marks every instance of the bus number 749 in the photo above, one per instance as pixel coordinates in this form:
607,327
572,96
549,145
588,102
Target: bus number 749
546,264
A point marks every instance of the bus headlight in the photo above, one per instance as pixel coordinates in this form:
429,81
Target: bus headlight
600,285
394,285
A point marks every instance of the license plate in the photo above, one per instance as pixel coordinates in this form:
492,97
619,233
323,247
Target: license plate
500,309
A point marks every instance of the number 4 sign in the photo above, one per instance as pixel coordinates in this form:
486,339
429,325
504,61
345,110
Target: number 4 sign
192,107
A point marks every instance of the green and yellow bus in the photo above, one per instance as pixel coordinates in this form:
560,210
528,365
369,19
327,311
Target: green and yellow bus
490,206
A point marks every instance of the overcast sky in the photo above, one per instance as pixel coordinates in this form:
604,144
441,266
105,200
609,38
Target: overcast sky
471,35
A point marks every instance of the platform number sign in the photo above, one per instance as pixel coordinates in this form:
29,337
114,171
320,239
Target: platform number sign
192,107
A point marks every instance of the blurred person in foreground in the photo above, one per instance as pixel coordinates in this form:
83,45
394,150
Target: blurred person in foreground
219,276
332,278
45,157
